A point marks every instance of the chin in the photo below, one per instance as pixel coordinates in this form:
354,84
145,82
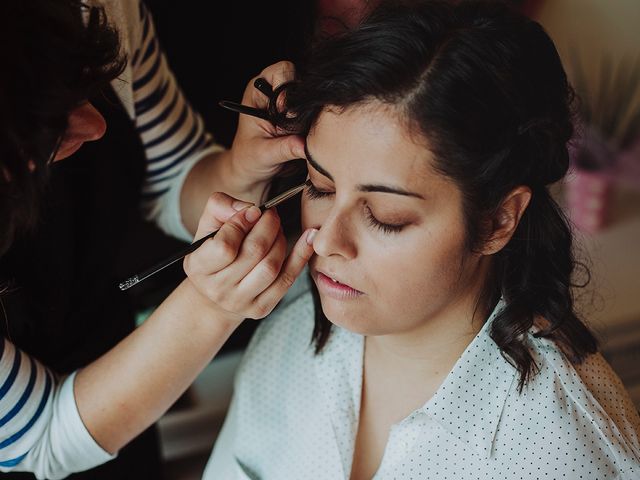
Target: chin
350,317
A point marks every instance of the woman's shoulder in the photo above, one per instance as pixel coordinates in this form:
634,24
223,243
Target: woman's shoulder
591,391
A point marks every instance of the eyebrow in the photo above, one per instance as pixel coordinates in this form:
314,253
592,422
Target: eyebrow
361,188
315,164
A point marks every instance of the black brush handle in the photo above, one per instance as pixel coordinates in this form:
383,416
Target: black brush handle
134,280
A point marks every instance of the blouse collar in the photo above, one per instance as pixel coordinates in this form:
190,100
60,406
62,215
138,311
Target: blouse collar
470,401
468,404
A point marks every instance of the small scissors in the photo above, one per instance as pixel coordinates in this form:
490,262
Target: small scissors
263,86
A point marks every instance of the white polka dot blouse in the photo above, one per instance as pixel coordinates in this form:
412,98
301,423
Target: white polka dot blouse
294,414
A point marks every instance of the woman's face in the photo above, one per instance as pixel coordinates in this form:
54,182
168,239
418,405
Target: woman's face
390,253
85,124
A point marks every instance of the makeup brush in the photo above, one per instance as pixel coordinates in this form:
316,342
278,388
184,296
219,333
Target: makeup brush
135,279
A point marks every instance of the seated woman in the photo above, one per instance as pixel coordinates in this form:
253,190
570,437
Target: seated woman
443,341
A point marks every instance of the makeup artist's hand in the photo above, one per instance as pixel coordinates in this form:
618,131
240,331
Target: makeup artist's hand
257,154
258,150
244,269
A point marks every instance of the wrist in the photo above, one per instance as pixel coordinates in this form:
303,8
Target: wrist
209,313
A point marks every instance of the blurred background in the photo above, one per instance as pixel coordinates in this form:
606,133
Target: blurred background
599,43
214,48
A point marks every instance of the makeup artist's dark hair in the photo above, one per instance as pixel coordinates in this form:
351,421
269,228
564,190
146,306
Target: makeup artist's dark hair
52,61
485,85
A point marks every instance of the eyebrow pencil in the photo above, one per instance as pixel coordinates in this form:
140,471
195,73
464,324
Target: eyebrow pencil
135,279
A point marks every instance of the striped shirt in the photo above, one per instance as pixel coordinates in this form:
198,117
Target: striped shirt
40,428
172,133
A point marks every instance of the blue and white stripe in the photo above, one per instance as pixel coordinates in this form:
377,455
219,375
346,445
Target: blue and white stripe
25,402
41,430
170,130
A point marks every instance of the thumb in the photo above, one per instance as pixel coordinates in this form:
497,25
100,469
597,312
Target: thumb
220,208
290,147
296,261
293,266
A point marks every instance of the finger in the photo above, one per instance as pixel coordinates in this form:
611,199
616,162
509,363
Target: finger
279,73
279,150
219,208
266,271
275,74
255,247
220,251
293,266
289,147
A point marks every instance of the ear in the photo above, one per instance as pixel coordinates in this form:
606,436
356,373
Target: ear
506,219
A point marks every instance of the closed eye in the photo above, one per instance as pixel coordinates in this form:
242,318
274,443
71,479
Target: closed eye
384,227
313,193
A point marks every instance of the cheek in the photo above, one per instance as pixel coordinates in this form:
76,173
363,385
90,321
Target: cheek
311,212
421,268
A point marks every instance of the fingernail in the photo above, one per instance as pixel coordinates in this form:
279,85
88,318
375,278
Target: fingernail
311,234
240,205
252,214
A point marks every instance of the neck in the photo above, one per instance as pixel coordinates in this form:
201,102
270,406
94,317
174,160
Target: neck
433,348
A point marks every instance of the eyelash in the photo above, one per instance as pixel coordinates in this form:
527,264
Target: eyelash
314,194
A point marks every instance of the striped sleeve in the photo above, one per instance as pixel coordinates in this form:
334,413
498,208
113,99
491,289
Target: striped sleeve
40,428
172,132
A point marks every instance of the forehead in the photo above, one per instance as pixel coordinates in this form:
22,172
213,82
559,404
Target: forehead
371,141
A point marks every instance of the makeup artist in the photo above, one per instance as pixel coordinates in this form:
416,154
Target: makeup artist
77,381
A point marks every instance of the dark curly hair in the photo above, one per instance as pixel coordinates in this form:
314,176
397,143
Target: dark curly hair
55,55
486,86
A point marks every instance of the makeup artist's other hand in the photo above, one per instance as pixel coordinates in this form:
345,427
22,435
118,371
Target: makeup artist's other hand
258,150
244,269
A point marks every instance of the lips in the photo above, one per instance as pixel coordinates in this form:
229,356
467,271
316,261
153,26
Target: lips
335,279
332,286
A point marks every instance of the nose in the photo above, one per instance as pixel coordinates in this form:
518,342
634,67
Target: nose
335,237
86,124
